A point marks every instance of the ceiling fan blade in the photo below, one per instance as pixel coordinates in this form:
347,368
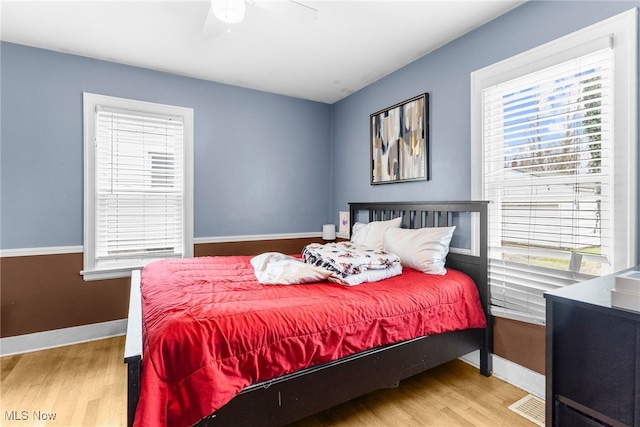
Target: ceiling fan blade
289,9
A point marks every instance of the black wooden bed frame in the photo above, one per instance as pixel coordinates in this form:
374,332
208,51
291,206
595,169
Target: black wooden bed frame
295,396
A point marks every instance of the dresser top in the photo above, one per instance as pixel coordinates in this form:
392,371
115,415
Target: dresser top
595,292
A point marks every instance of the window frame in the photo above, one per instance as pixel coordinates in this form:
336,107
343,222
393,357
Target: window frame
91,101
621,31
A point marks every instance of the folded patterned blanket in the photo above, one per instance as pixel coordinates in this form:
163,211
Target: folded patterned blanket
346,258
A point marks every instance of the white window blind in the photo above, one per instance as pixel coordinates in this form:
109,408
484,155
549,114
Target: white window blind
554,136
138,184
548,174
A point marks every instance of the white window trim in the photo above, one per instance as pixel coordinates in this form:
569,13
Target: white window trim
622,30
90,102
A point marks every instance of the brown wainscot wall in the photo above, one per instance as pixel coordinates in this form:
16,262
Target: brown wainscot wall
46,292
520,342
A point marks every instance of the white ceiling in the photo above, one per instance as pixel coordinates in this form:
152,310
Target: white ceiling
350,45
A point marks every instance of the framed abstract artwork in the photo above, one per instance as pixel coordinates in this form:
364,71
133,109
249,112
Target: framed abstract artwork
400,142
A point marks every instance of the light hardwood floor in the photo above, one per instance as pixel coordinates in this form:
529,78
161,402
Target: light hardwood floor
81,385
85,385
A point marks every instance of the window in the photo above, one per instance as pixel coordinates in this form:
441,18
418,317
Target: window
138,184
554,151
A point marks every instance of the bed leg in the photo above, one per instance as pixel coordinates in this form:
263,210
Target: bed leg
486,361
133,387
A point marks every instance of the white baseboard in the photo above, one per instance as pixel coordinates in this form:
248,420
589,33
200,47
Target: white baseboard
519,376
61,337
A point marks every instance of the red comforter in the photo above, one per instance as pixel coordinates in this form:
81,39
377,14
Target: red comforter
210,329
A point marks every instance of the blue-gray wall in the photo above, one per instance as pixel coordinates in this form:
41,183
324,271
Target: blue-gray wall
262,161
445,75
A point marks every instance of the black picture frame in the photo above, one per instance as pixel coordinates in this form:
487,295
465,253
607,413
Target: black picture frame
399,142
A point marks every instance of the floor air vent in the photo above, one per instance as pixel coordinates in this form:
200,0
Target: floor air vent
530,407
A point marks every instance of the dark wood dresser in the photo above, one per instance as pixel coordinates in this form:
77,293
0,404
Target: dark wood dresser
592,357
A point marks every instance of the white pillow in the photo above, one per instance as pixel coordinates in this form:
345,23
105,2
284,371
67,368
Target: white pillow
423,249
371,235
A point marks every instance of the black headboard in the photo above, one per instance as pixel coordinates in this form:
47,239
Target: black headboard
472,261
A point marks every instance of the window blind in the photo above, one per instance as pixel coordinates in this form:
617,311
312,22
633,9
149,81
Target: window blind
139,187
547,153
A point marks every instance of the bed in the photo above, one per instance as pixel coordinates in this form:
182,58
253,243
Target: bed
288,390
